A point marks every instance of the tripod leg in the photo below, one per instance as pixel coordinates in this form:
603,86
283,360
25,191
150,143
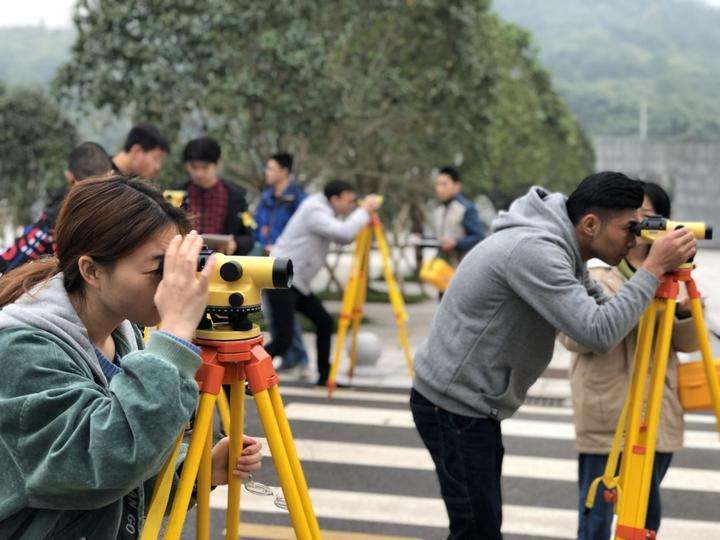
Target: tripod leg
358,307
203,425
347,310
237,418
161,494
639,457
707,355
203,490
224,408
396,298
282,465
610,478
298,474
641,365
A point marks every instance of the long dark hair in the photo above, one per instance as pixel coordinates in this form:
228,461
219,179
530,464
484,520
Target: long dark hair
658,198
105,219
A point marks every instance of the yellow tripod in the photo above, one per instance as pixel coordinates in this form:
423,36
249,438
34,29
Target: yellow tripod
355,294
232,352
630,489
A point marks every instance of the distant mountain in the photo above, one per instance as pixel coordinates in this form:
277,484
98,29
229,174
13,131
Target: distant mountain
29,55
606,56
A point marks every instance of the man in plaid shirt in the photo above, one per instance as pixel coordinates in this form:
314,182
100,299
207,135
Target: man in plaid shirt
217,206
85,161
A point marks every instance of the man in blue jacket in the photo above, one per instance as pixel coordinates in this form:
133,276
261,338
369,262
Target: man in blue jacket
277,204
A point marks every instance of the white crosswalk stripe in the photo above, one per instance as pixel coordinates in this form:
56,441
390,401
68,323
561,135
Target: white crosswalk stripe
340,460
512,426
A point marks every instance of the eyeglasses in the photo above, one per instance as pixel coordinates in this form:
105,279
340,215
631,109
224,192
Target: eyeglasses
257,488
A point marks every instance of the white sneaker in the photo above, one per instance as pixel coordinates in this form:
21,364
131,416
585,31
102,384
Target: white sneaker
304,372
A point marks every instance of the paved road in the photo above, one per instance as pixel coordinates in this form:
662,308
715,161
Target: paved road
369,473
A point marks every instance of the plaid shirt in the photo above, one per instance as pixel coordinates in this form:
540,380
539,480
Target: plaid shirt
37,240
208,207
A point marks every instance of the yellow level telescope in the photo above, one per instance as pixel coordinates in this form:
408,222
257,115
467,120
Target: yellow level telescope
653,226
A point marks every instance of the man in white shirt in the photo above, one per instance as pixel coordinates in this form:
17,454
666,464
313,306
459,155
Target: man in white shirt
306,241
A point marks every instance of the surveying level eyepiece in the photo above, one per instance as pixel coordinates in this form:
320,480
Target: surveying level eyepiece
653,226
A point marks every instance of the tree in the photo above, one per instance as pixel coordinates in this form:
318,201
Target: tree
380,92
34,143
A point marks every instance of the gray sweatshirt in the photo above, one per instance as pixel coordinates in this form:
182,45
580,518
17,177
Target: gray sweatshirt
307,236
494,331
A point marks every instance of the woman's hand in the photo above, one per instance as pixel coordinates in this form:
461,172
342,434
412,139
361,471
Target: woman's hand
181,296
250,460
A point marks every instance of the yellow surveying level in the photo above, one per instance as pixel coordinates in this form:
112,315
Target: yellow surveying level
355,294
652,226
633,446
232,352
176,197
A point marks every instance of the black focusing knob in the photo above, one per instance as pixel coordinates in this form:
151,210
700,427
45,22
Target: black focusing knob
231,271
236,299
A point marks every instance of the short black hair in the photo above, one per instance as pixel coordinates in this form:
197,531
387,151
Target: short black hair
204,149
336,187
452,172
148,137
88,159
658,198
608,191
284,159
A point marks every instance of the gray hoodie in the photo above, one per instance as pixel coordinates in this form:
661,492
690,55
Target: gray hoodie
494,331
47,307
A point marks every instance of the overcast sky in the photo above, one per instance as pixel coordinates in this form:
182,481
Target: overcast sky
57,12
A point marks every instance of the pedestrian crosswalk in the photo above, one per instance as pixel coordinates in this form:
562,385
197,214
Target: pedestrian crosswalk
369,473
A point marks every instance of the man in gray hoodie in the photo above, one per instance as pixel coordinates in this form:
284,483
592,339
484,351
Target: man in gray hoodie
494,331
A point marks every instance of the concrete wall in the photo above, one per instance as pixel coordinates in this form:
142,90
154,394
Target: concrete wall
689,170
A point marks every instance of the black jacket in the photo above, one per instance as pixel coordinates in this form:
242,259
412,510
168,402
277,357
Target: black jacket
234,224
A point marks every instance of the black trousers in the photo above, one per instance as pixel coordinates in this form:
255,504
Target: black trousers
468,455
283,304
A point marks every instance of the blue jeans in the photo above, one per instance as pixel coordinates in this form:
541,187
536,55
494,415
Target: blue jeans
295,355
596,523
468,454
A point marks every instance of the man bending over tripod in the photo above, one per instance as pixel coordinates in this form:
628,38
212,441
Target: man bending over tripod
494,331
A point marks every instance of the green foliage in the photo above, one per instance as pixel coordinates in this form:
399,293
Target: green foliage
379,92
34,144
607,56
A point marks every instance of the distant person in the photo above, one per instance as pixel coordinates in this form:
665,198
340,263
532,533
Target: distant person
306,241
217,206
143,153
455,221
277,204
279,200
87,160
